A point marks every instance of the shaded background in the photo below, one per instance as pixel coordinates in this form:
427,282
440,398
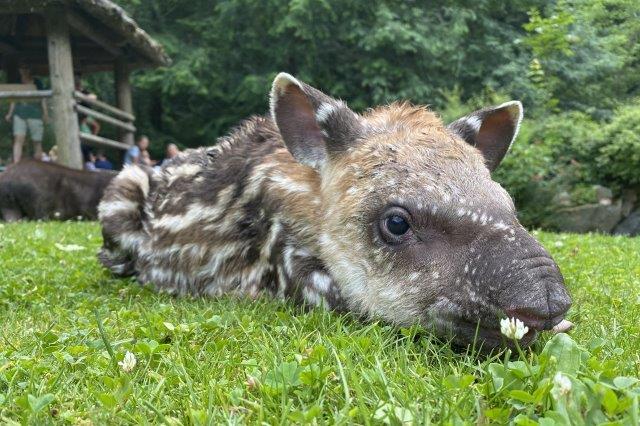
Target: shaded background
574,64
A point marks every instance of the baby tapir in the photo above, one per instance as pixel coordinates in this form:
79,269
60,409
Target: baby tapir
389,214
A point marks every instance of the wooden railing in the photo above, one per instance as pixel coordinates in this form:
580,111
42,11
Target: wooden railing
16,95
108,114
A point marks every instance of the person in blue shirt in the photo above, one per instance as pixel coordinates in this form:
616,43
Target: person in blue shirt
134,154
102,162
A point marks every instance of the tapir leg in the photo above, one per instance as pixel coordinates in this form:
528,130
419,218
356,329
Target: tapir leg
10,215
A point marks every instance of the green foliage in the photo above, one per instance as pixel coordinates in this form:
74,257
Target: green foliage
551,155
585,55
549,36
571,152
226,54
619,159
241,361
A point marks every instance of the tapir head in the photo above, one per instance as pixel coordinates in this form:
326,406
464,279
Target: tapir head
412,227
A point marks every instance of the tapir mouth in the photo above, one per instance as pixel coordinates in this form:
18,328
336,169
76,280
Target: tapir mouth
487,337
557,324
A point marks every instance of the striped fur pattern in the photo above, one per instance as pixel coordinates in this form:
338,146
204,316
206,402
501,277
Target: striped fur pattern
296,205
214,221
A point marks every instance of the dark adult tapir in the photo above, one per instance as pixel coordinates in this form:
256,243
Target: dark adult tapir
389,214
32,190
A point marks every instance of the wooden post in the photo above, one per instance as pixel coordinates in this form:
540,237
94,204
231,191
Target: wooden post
124,96
65,120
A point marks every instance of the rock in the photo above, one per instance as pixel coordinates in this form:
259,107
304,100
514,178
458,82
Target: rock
561,199
630,226
603,195
629,199
587,218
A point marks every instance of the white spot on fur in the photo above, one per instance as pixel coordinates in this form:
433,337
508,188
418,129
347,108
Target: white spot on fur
501,226
474,122
324,111
310,296
321,281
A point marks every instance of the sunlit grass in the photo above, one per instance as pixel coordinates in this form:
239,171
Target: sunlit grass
236,360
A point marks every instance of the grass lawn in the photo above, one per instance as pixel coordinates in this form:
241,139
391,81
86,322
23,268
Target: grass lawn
241,361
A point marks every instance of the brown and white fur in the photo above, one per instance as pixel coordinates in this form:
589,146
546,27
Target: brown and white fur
389,214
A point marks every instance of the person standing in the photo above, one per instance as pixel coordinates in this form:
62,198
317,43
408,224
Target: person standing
28,117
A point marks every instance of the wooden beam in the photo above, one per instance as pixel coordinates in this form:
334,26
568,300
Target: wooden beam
105,106
87,137
90,31
65,120
25,94
124,96
103,117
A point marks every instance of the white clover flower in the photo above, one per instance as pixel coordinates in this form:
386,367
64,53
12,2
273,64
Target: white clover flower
513,328
561,385
128,363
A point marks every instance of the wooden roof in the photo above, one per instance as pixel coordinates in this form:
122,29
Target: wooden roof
100,31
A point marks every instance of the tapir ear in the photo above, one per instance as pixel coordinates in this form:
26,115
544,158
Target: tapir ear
492,130
314,126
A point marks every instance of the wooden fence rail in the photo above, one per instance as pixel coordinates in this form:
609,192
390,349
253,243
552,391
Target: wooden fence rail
90,138
123,120
103,117
105,106
25,94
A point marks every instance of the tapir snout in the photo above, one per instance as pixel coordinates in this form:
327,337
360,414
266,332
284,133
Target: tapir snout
532,287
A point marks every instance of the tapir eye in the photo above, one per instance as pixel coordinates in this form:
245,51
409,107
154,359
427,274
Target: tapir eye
394,225
397,225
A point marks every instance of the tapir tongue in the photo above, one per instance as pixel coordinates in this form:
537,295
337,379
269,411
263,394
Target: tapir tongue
562,327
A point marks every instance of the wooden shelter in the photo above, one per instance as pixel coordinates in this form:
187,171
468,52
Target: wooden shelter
61,38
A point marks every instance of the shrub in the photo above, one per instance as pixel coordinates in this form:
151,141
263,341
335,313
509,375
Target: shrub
552,154
619,156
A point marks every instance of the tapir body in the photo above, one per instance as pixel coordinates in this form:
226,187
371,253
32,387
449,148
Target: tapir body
38,190
389,214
